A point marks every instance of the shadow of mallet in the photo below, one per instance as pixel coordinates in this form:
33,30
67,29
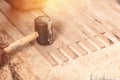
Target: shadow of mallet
43,34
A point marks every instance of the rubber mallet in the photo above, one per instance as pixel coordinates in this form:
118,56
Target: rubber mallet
43,33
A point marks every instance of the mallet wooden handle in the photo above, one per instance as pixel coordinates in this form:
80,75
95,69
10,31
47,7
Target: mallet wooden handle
21,42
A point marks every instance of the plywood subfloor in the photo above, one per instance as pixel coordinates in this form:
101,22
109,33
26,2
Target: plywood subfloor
86,46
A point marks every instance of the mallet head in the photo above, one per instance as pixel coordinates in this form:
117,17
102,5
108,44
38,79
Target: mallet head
44,27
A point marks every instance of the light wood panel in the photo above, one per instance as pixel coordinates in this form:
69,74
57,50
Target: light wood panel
86,41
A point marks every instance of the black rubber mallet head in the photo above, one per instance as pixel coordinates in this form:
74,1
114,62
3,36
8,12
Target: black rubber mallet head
43,25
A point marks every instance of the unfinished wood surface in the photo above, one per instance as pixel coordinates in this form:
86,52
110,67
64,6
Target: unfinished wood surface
87,38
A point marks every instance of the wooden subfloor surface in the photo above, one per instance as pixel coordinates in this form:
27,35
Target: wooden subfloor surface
86,46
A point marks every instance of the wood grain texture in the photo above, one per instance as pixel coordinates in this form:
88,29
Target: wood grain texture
86,41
